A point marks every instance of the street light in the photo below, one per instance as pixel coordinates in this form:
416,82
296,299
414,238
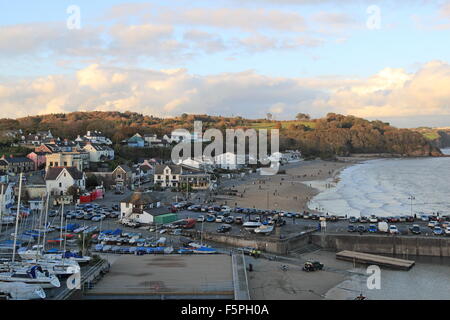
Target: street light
411,197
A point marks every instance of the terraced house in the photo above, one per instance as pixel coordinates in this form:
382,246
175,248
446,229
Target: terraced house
15,165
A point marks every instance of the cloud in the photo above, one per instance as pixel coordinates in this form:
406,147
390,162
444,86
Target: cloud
391,93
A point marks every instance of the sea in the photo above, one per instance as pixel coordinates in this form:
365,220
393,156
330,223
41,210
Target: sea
392,187
387,187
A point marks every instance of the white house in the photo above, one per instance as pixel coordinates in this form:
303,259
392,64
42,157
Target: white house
167,175
96,137
7,197
59,179
98,152
141,207
229,161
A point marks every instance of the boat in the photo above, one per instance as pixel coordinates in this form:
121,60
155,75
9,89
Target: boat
34,252
68,255
22,291
60,267
35,275
204,250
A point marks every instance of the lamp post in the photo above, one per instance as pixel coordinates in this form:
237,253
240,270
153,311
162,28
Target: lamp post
411,197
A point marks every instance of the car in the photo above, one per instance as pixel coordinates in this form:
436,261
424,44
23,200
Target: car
438,231
201,219
52,213
80,216
373,219
250,251
432,224
425,218
312,266
415,229
393,229
98,217
219,219
239,220
353,220
210,218
363,219
88,216
114,214
229,220
447,231
361,229
224,228
409,219
351,228
372,228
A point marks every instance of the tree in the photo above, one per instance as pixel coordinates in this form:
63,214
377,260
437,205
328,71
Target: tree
92,181
302,116
73,191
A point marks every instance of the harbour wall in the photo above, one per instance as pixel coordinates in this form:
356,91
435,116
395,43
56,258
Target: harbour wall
377,244
384,244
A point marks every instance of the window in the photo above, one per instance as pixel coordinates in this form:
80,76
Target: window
60,185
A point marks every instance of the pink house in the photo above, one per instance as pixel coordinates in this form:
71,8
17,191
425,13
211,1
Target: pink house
39,159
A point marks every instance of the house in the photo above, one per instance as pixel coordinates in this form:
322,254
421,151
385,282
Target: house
142,207
179,135
13,165
98,152
80,160
195,181
48,148
122,177
167,175
59,179
36,205
39,159
95,137
6,196
136,141
35,186
37,138
229,161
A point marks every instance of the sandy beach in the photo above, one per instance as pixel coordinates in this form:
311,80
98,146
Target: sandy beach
290,192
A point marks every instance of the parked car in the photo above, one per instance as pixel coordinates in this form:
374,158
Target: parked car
447,231
239,220
201,218
351,228
229,220
88,216
312,266
353,220
372,228
415,229
373,219
98,217
210,218
361,229
433,224
363,219
393,229
438,231
219,219
224,228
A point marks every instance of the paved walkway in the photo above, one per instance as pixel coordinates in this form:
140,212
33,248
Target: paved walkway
240,280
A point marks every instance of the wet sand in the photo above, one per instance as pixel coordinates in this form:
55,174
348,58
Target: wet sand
289,192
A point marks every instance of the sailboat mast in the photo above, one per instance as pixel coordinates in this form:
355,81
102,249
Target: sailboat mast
62,221
45,221
40,222
1,209
17,218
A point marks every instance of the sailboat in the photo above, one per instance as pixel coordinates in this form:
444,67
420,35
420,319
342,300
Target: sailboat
34,275
22,291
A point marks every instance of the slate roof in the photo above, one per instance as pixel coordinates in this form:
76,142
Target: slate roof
159,168
53,173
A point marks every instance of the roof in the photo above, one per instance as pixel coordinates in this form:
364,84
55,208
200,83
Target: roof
17,160
53,173
123,167
139,198
159,168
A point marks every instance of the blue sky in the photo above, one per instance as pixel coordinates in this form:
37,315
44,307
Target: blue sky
311,54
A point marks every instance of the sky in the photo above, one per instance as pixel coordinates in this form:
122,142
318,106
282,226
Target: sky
387,60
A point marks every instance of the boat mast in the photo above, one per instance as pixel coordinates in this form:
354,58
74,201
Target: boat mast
17,218
45,221
62,221
1,209
40,224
